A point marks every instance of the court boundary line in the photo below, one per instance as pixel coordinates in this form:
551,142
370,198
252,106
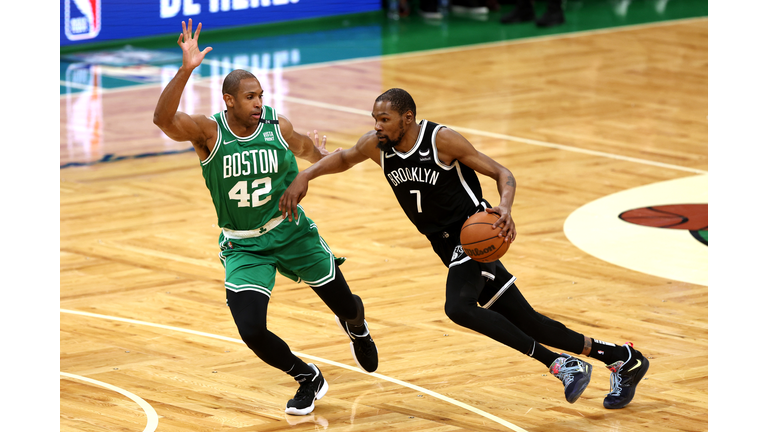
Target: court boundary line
460,129
83,87
311,357
506,137
152,417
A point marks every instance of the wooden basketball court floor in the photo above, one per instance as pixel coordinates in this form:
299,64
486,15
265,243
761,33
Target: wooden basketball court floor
146,339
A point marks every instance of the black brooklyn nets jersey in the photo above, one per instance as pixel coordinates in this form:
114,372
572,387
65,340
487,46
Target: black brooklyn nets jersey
433,195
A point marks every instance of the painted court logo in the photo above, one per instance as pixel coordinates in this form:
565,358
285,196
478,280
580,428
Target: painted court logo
82,19
690,217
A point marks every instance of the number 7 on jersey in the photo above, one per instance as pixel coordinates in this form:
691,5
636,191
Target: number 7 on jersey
418,199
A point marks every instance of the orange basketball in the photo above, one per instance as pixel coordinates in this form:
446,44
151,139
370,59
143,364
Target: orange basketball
480,240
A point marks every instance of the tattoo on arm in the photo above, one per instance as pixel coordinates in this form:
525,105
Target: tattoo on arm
511,181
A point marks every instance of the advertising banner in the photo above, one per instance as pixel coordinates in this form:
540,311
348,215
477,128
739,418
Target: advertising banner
90,21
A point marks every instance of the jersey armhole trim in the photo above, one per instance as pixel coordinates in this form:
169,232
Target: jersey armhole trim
434,150
475,199
280,138
216,146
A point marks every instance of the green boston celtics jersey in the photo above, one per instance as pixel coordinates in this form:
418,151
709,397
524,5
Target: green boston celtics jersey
247,175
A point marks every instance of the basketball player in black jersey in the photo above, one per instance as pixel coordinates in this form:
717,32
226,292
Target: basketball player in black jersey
432,171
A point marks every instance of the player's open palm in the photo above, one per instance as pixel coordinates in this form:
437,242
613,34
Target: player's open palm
321,144
192,56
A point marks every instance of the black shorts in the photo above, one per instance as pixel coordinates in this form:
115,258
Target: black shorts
447,246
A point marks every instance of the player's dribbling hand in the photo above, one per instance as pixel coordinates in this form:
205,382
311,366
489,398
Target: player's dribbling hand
506,223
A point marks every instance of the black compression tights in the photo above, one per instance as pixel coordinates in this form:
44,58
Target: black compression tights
249,310
510,320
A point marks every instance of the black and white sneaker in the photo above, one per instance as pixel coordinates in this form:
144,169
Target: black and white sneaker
311,388
574,373
363,349
625,375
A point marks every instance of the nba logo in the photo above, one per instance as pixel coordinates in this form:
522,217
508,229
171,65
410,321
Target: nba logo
82,19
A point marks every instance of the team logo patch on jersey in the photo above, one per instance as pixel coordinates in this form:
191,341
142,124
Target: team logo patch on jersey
269,136
457,252
424,155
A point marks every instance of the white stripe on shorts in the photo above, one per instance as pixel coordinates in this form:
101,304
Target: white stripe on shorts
248,287
499,293
330,276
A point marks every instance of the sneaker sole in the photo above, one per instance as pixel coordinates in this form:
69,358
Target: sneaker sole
583,385
309,409
643,369
431,15
352,346
469,10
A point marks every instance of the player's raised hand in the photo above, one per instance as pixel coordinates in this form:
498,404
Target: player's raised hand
192,56
321,144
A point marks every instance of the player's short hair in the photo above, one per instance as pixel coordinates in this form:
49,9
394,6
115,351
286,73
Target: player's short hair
399,99
232,81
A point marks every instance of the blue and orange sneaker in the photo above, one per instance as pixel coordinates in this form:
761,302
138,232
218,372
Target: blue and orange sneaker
625,375
574,373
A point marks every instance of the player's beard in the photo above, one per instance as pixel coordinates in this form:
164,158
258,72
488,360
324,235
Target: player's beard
389,144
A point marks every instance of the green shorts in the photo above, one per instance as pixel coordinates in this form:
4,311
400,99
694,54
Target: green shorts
295,249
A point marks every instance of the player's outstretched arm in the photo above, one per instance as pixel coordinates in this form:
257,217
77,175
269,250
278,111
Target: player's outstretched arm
303,146
177,125
451,146
336,162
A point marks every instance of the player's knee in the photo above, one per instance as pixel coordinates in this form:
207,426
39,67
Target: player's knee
458,312
253,335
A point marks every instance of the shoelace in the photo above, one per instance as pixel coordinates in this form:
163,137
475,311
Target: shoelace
565,374
616,374
305,390
368,349
615,384
616,379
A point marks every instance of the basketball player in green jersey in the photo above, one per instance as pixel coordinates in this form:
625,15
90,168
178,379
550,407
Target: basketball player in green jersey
247,154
